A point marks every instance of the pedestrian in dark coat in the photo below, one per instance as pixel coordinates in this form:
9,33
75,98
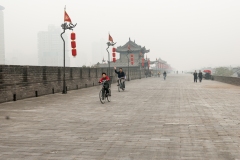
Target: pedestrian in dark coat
195,76
200,76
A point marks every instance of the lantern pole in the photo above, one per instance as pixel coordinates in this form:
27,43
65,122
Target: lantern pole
147,66
109,44
65,27
156,67
64,83
139,58
129,51
128,64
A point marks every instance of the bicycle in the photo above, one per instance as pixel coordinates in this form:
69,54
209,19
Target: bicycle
104,96
121,84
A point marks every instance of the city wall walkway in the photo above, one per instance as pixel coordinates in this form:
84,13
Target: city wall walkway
152,119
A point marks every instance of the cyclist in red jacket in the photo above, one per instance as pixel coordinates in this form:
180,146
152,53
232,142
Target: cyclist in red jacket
105,79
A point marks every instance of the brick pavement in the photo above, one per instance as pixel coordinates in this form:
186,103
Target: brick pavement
152,119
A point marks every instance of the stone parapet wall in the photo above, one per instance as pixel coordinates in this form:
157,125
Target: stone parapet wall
229,80
19,82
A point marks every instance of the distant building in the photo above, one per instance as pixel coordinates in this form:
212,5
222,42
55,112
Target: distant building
236,72
98,50
2,45
161,65
50,48
137,50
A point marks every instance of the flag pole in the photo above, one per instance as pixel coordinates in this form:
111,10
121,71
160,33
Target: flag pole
64,80
108,57
109,43
65,27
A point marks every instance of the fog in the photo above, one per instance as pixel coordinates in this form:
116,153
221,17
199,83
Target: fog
188,34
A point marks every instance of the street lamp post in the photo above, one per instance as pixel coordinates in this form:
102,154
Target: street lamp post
109,44
129,51
140,69
139,59
156,67
148,67
65,27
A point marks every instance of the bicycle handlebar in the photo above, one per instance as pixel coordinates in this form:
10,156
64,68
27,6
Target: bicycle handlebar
104,81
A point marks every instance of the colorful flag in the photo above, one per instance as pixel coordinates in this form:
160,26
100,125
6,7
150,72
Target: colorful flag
67,18
110,38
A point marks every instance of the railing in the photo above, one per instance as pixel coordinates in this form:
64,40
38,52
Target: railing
229,80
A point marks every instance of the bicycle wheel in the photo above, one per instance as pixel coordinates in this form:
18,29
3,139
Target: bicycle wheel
109,97
100,97
119,87
123,86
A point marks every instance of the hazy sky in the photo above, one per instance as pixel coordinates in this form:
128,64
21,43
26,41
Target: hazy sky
188,34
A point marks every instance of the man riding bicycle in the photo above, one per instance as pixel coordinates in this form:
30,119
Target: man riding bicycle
121,75
105,79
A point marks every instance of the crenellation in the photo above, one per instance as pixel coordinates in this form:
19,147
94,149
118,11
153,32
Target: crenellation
26,81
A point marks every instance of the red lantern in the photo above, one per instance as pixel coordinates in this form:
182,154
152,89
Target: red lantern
73,36
74,52
132,59
113,49
73,44
114,56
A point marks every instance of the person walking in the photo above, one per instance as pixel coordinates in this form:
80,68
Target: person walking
195,76
164,75
200,76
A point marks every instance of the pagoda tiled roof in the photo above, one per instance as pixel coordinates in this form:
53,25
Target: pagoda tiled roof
133,47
